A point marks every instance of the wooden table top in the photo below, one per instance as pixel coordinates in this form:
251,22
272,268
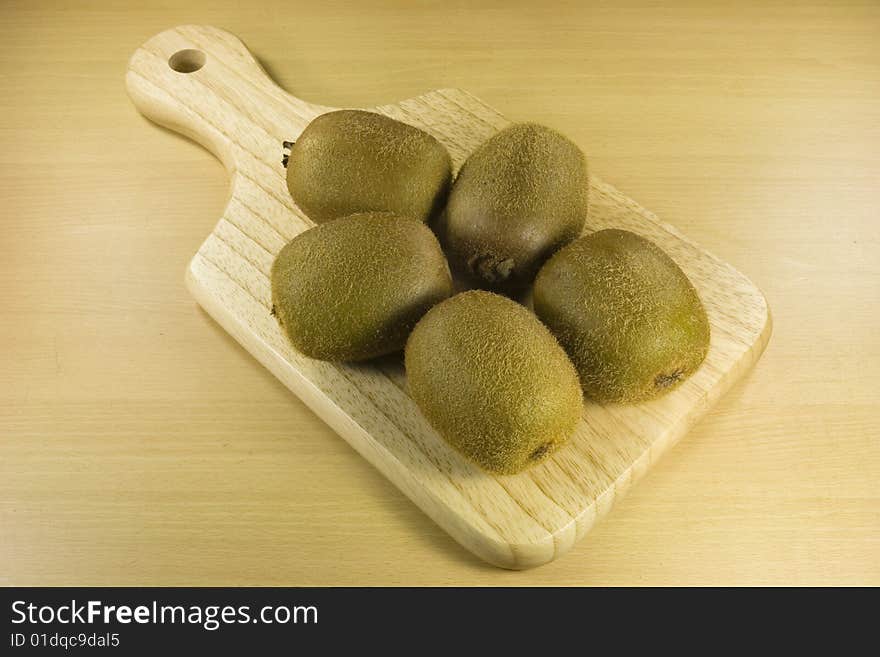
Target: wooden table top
139,444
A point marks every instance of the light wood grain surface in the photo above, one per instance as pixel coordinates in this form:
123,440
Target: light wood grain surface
203,82
140,445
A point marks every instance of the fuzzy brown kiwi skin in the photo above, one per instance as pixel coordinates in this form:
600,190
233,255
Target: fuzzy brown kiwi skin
353,288
493,381
518,198
626,314
353,161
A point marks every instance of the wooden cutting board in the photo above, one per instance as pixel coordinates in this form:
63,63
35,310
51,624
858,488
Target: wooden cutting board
203,83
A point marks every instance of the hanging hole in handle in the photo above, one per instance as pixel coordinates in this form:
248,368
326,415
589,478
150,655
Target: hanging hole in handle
187,61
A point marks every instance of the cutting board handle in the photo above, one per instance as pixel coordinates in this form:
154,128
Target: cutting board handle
204,83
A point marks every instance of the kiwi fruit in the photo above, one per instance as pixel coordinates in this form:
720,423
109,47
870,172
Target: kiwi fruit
492,380
353,288
517,199
626,314
352,161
